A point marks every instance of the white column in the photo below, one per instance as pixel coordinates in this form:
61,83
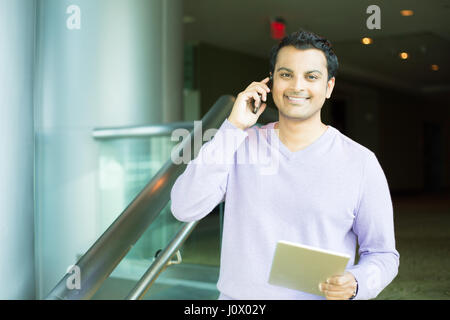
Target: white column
172,60
108,72
17,278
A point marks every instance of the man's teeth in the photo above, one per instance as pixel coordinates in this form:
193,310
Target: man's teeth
297,99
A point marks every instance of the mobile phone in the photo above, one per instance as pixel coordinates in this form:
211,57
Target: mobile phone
269,84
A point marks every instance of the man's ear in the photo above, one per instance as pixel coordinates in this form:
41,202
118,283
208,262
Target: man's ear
330,87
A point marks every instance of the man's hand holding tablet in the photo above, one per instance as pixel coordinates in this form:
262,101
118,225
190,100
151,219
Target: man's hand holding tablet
339,287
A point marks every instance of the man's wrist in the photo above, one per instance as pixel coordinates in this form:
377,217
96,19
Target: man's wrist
234,123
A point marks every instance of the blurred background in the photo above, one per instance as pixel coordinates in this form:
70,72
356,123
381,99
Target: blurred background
70,68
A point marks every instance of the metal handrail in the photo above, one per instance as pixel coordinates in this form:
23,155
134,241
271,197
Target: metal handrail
105,254
269,114
140,131
161,262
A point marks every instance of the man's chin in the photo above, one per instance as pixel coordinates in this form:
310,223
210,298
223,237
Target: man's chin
296,116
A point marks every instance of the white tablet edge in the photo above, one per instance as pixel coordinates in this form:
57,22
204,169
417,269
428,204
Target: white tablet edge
315,249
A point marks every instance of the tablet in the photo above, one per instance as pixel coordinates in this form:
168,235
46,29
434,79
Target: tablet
300,267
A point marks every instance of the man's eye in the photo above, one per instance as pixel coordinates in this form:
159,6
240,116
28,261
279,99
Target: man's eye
285,74
312,77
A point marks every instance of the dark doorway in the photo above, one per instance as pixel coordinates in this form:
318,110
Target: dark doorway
433,156
339,115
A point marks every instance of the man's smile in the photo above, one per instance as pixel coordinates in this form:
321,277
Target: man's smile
298,100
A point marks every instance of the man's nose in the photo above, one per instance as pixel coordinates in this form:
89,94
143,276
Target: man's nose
299,84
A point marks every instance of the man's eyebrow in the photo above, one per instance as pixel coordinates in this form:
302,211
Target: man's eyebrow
283,68
289,70
312,71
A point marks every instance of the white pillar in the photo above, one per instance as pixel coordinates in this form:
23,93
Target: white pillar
17,279
172,60
108,72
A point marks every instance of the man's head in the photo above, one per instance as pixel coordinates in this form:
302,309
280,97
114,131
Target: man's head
303,67
307,40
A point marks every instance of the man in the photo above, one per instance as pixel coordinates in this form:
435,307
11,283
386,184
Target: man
327,190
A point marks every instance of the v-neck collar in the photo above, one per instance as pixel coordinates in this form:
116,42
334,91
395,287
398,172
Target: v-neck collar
311,149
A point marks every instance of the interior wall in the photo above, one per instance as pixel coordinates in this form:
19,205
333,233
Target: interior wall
387,121
401,133
220,71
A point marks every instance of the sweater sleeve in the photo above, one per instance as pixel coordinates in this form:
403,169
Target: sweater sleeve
202,186
374,226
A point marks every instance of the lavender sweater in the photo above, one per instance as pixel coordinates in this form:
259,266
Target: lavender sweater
333,194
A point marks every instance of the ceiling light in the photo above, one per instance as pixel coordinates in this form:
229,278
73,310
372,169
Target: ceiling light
366,40
406,13
403,55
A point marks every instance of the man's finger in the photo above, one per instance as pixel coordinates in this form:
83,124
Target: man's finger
259,85
340,279
338,294
334,288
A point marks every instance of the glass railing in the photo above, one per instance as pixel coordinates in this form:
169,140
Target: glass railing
136,222
125,167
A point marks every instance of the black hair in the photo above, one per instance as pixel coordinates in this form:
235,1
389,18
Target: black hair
306,40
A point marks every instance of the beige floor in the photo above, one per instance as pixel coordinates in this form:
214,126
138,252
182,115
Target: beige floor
422,226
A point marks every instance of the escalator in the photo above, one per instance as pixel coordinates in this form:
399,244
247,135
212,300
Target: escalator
145,253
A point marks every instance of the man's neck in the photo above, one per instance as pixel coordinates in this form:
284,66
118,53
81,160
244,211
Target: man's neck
297,135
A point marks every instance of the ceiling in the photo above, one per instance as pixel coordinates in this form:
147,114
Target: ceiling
243,25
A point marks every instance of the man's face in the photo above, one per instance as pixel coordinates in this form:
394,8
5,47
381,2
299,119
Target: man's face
300,83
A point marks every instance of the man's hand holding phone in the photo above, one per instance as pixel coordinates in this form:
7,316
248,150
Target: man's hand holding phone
255,95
